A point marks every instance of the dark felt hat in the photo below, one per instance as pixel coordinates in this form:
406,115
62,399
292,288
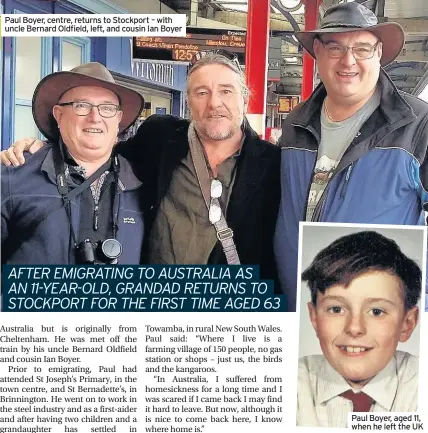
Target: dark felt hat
53,86
351,17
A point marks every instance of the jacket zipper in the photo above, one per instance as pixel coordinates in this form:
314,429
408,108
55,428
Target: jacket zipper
315,135
320,206
96,216
345,184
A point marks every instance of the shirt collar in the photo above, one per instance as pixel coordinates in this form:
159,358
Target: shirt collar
235,155
74,172
127,178
382,388
73,168
331,383
69,160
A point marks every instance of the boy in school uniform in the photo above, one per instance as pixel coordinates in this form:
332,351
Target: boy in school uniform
364,295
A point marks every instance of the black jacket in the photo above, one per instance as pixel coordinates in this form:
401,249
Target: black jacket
35,228
156,150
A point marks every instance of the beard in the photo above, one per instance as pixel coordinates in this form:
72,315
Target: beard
212,132
215,135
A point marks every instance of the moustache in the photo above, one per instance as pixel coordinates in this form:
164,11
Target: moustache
218,114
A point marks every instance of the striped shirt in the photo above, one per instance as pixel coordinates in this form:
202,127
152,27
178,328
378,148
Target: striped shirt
319,404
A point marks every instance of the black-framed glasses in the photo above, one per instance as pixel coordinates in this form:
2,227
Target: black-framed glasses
227,54
81,108
360,52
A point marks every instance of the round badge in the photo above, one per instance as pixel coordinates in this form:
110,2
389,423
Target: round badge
214,214
216,188
111,248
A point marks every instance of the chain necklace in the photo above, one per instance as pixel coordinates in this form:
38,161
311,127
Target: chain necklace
331,118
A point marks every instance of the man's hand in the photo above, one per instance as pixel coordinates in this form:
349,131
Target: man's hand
15,154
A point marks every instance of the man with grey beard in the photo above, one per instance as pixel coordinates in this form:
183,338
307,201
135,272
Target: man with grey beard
211,184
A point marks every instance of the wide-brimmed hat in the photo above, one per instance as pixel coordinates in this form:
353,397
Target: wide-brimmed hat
49,91
351,17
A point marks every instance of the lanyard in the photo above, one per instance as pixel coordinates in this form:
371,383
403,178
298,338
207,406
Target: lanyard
224,233
67,196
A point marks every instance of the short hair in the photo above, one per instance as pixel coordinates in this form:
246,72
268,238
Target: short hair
353,255
212,58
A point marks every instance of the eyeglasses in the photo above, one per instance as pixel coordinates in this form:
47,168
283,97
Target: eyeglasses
201,54
337,51
215,210
84,108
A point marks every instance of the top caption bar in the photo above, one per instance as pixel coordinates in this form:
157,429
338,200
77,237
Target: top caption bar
93,25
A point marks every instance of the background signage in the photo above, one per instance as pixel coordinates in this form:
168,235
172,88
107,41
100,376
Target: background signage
182,49
287,103
274,59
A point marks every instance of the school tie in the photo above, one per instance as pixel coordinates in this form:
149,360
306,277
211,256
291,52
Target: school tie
361,401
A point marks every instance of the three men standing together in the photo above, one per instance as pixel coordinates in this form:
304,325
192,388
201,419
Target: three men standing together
355,152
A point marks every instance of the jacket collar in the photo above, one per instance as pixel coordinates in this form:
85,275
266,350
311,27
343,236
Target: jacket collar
250,171
178,147
393,105
127,178
126,175
251,167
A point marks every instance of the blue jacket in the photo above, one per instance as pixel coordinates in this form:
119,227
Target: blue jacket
381,179
27,191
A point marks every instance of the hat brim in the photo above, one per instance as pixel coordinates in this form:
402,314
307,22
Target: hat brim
52,87
390,34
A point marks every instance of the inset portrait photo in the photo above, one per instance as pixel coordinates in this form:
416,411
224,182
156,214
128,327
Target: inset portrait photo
360,310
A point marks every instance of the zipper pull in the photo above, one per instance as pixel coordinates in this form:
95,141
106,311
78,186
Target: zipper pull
96,217
345,184
348,173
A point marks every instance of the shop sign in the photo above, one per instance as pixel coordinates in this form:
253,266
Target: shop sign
287,103
159,73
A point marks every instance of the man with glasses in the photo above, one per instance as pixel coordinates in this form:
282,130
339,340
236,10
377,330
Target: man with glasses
355,151
75,201
211,184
